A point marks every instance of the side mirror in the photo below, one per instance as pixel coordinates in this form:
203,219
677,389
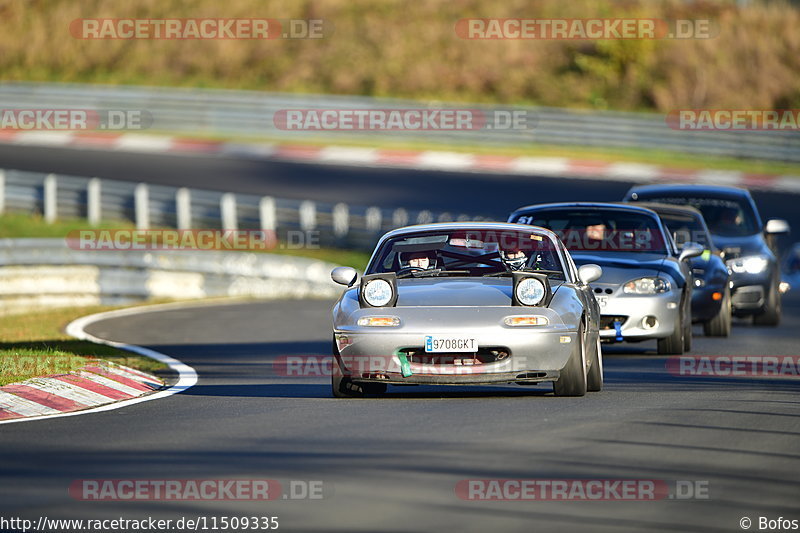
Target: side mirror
589,273
344,275
690,250
776,226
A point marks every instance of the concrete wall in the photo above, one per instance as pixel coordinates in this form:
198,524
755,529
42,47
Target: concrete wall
45,273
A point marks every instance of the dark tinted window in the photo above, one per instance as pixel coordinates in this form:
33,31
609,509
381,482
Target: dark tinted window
686,228
601,230
726,217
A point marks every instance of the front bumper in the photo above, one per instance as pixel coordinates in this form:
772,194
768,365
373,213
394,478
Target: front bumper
704,306
749,292
623,316
532,354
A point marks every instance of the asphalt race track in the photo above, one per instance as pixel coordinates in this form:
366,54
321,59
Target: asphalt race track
393,463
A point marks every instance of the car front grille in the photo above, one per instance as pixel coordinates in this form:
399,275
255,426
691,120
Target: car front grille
607,321
748,296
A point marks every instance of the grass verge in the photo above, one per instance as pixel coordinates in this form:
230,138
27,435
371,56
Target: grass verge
15,226
34,344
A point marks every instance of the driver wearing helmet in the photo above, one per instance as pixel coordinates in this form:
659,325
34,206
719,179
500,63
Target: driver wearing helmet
514,259
419,260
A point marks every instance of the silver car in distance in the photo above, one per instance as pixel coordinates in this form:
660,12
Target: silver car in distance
467,304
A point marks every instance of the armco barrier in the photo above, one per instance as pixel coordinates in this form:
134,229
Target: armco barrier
296,223
251,114
45,273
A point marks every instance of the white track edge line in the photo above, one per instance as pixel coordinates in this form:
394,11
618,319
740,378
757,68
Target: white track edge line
187,376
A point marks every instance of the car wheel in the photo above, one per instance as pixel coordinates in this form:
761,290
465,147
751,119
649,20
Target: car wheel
673,345
594,380
771,315
720,324
572,381
344,387
687,325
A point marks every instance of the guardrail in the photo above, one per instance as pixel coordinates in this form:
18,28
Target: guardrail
45,273
250,114
295,223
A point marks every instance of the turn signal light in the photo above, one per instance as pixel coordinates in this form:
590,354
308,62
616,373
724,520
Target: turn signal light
526,321
379,321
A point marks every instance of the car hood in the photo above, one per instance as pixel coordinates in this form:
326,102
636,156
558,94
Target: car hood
451,292
741,246
619,268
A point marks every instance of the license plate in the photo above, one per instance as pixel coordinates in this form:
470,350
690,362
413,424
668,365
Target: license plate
602,301
450,343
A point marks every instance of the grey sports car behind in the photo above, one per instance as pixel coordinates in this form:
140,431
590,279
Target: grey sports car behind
645,291
467,303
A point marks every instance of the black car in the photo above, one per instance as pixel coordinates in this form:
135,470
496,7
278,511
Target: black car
711,296
747,244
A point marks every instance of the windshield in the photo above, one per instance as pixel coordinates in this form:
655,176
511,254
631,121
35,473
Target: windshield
724,216
686,228
468,253
613,230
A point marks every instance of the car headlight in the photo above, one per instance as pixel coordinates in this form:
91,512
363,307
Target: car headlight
530,291
752,264
646,286
378,292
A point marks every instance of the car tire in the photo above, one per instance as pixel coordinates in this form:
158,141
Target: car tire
673,345
687,324
572,381
344,387
594,379
720,324
771,315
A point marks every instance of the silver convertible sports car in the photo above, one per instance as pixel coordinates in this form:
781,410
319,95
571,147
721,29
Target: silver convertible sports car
467,303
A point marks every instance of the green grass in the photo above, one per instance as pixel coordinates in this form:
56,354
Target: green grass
34,344
13,225
386,49
18,226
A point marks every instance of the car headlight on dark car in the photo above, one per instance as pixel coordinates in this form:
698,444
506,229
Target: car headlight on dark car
530,291
649,285
751,264
378,292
